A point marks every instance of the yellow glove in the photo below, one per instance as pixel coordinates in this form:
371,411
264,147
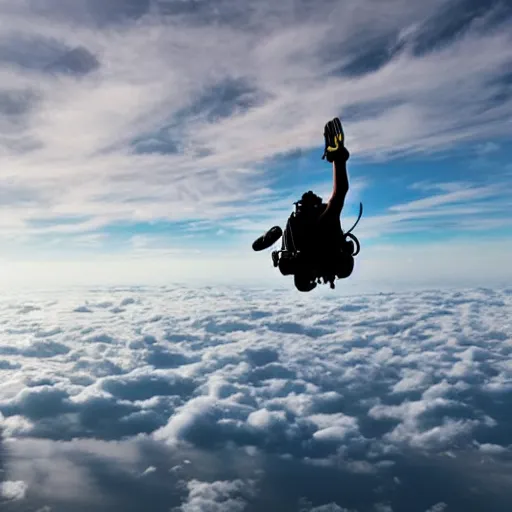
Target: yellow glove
334,142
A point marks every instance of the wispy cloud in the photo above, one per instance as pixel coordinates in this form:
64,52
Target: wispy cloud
456,208
463,195
130,113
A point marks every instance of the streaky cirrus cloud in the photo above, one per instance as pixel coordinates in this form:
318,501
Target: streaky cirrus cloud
128,111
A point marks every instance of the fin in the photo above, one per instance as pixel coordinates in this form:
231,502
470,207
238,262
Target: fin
268,239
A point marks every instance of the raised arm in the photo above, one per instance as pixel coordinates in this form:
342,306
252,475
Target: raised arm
337,153
340,187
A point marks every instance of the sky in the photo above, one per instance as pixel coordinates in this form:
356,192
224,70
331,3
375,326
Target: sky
147,142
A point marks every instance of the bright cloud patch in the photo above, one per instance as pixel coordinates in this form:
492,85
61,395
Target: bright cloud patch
215,496
13,490
240,400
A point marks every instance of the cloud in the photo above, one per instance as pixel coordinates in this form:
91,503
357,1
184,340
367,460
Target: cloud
454,208
392,393
438,507
10,490
331,507
78,61
216,496
382,507
448,198
186,137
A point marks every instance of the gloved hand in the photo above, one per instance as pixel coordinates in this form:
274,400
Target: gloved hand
334,142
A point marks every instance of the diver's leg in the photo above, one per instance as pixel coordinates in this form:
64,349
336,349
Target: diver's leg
268,239
338,154
329,227
339,188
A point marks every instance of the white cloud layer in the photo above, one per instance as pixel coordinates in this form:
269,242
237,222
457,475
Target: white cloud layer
207,399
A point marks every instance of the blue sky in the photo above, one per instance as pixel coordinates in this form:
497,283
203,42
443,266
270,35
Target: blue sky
153,141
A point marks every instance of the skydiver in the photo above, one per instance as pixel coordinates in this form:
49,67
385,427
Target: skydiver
314,245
